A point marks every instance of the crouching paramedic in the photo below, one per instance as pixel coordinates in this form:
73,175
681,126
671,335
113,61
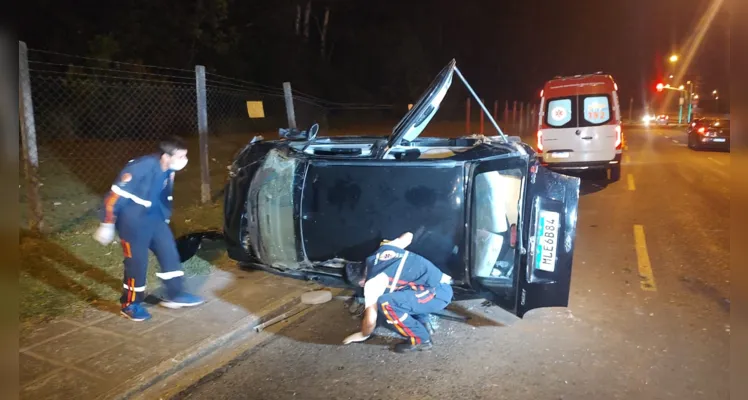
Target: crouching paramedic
138,207
403,286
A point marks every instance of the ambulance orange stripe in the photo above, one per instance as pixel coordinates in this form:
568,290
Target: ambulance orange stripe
398,322
427,298
109,207
126,249
394,322
132,290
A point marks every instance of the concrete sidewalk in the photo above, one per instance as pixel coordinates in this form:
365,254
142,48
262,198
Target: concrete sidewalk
102,355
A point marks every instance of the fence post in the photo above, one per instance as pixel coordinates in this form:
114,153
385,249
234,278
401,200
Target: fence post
28,140
481,116
496,110
288,95
521,117
202,131
514,114
506,112
467,115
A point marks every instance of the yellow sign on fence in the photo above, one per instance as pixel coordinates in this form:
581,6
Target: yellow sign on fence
255,109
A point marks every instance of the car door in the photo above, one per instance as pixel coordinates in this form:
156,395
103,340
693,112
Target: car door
559,140
596,130
521,233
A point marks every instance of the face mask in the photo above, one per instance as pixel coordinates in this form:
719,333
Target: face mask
177,165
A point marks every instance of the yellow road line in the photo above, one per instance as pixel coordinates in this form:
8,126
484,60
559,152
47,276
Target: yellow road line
646,277
626,158
630,179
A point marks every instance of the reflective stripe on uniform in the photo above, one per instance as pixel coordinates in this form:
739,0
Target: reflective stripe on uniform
123,193
169,275
399,271
134,289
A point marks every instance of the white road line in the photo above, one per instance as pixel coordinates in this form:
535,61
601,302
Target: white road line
675,141
720,163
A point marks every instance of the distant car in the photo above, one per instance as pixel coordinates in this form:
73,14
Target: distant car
580,124
662,119
483,209
709,133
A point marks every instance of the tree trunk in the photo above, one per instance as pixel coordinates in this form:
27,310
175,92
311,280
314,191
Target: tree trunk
307,13
323,34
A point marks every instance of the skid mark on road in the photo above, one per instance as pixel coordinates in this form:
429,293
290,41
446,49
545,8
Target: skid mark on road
631,184
646,277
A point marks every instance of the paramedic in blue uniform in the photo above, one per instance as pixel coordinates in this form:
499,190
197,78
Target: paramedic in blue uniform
405,288
138,208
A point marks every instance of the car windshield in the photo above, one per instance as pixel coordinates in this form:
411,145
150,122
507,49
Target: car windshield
495,211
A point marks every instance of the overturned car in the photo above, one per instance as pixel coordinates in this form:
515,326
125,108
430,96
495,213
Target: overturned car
482,209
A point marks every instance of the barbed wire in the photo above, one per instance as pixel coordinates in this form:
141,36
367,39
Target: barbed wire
30,50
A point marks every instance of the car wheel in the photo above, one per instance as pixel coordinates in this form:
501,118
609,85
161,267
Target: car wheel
615,173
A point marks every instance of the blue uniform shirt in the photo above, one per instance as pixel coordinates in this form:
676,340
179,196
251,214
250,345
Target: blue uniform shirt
141,186
392,269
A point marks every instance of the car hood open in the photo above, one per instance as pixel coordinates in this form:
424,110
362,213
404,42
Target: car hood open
415,121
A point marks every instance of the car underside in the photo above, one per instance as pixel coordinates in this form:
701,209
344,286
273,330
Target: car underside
482,209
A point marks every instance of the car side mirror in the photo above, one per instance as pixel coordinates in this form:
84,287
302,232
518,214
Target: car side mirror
313,131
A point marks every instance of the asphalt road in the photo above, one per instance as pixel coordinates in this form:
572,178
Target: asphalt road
618,339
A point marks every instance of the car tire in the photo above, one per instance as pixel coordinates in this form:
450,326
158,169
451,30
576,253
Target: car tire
615,173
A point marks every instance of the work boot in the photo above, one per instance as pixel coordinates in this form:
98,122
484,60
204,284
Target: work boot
407,347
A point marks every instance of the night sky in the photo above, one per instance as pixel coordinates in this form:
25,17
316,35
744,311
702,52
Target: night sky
387,51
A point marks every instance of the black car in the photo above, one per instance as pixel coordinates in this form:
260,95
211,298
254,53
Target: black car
482,209
709,133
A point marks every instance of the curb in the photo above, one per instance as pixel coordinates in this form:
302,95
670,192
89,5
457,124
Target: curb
202,349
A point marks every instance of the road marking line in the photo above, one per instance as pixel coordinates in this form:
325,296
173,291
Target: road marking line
626,158
720,163
646,277
675,141
630,179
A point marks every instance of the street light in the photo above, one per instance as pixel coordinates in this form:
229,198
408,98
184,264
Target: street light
681,87
714,92
671,77
673,58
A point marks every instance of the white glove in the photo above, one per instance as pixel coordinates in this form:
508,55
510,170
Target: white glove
356,337
105,234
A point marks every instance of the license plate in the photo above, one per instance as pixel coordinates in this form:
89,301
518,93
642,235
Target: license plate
546,241
719,139
564,154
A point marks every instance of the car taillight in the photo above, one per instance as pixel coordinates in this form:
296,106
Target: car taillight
702,130
540,142
619,137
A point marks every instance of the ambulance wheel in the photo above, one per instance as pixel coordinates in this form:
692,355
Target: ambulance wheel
615,173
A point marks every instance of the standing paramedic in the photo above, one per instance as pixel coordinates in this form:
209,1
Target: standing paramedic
138,207
405,287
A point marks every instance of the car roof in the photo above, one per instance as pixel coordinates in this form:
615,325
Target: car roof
579,84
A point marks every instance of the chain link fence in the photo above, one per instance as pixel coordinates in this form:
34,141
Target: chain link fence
85,118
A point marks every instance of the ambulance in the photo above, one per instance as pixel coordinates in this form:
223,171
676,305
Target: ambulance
579,125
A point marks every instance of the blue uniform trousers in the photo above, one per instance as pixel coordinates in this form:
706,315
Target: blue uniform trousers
406,308
139,233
